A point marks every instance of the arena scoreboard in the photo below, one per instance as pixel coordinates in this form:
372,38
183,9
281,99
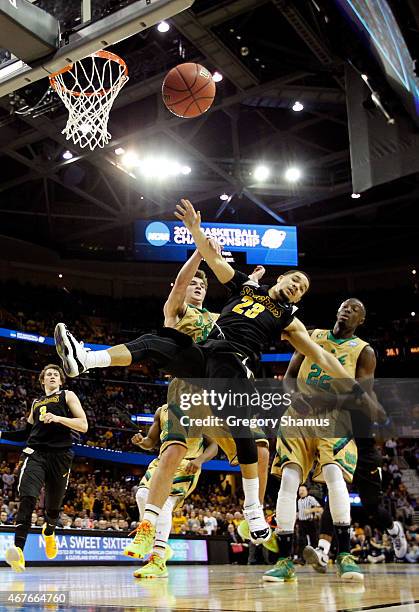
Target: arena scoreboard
171,241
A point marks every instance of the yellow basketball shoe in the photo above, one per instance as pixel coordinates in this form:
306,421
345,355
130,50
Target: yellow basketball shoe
51,546
244,532
149,570
155,568
142,544
15,558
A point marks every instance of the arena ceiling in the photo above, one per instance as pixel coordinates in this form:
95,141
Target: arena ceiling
271,53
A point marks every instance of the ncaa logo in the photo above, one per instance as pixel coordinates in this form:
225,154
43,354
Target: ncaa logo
157,233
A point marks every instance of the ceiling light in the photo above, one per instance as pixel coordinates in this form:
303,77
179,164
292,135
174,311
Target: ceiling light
217,77
292,175
67,155
224,197
119,151
413,314
355,196
130,159
261,173
60,276
161,168
414,271
163,26
297,106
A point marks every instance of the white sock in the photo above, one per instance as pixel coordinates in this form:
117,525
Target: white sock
163,526
324,545
286,504
151,513
97,359
393,530
141,498
339,501
251,491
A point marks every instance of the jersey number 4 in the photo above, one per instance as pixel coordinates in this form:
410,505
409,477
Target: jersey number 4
249,308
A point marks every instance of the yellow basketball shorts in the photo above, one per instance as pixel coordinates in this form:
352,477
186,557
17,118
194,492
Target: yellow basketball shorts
316,452
186,436
182,484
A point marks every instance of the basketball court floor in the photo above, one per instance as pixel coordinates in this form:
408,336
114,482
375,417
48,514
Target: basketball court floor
226,588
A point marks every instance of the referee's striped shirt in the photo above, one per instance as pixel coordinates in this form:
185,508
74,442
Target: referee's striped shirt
304,503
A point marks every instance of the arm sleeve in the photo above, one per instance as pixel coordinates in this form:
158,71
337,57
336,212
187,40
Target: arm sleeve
235,284
19,435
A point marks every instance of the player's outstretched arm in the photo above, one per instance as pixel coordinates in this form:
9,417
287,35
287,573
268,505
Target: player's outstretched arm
175,303
292,371
150,440
298,336
79,420
365,371
192,220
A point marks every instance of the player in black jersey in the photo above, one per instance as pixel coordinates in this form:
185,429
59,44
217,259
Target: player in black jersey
367,476
46,460
252,316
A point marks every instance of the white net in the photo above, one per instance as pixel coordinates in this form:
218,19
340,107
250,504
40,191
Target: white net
88,89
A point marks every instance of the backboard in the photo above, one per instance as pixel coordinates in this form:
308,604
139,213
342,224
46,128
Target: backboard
86,26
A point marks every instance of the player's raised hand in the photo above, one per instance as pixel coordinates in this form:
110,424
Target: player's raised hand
257,273
188,215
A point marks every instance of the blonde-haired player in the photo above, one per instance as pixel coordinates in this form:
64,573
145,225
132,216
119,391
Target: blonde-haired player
46,459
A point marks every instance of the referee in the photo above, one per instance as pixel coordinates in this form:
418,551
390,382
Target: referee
46,460
309,510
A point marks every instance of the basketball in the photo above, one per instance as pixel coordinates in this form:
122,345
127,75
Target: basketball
188,90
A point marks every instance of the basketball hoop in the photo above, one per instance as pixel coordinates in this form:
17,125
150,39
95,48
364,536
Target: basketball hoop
88,89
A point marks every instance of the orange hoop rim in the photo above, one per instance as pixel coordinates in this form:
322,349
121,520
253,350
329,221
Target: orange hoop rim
101,92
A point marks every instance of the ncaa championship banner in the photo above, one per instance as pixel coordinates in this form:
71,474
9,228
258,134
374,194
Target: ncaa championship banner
267,245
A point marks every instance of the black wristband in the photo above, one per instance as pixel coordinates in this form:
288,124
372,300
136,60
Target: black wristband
357,391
